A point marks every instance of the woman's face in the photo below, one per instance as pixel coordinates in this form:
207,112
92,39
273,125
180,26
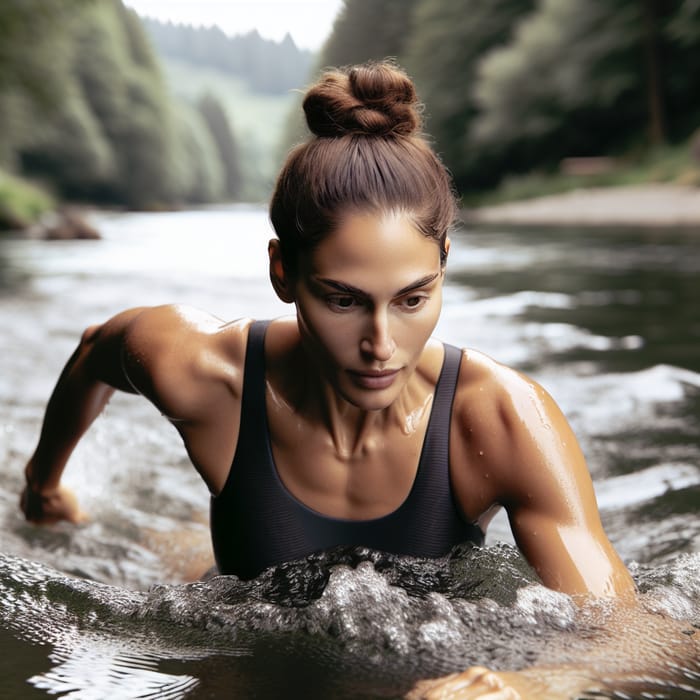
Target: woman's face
368,298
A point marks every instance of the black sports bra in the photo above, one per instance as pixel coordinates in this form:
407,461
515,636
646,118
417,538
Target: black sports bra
256,522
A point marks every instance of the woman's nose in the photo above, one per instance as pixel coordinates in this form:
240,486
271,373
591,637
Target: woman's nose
378,343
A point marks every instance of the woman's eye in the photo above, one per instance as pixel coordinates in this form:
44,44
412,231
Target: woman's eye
342,303
414,302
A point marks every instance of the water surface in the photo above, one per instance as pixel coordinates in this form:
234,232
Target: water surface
606,320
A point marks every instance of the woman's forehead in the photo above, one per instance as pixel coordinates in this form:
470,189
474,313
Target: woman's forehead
374,254
370,236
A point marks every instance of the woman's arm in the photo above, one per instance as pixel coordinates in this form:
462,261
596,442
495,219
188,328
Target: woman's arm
516,448
520,443
551,503
86,384
188,363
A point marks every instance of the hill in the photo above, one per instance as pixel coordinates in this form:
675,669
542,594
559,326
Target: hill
257,119
266,66
253,78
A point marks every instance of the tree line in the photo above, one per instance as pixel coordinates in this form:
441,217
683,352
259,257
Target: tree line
516,85
266,66
509,86
85,109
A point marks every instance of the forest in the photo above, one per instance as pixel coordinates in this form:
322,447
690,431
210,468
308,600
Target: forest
512,86
509,86
267,66
86,114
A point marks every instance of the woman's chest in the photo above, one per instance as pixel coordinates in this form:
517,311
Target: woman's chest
358,476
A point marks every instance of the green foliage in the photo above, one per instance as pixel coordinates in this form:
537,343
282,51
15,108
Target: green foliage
197,171
443,55
368,30
21,203
124,89
601,83
513,86
667,164
70,148
217,122
510,86
34,54
33,46
89,111
679,49
256,119
515,107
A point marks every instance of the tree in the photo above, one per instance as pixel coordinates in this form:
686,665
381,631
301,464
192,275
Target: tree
364,30
443,55
680,67
218,124
109,137
197,171
266,66
70,150
368,30
593,94
124,88
35,53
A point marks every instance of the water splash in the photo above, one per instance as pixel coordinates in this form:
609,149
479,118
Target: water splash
358,623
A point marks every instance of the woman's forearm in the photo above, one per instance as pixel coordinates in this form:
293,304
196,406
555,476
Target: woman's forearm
86,384
76,401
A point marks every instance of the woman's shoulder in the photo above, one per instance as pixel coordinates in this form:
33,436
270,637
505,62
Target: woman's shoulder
481,371
492,390
160,323
504,402
173,353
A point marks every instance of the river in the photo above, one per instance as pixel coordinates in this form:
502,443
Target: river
606,320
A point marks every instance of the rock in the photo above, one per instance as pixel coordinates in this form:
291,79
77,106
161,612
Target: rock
65,224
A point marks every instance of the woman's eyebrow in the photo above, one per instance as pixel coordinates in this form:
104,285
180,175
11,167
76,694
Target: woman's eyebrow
422,282
349,289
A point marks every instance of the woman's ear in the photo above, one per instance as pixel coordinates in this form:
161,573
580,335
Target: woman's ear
278,275
445,251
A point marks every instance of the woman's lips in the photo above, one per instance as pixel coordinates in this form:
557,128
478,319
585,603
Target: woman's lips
374,379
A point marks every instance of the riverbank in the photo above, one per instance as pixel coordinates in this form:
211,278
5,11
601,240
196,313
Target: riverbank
645,205
648,205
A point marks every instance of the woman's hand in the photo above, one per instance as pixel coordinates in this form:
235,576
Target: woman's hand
50,506
533,683
475,682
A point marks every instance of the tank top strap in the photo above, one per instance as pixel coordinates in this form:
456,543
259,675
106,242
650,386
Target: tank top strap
253,399
432,487
253,422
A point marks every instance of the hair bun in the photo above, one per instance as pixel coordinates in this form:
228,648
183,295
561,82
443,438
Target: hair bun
376,99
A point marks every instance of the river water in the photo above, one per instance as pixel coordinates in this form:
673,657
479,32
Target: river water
607,320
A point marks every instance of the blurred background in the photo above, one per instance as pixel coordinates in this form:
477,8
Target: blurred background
156,105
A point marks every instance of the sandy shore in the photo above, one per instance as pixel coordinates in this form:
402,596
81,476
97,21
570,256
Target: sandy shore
639,205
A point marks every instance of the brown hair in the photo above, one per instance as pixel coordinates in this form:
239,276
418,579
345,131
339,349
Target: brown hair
366,153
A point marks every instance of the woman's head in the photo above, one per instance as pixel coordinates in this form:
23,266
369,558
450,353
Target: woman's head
366,155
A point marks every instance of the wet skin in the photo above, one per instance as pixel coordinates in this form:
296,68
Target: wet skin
356,389
349,388
367,302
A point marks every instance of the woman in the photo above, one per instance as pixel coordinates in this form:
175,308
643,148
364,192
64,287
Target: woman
346,423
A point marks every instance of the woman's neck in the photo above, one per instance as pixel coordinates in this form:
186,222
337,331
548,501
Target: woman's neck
354,432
